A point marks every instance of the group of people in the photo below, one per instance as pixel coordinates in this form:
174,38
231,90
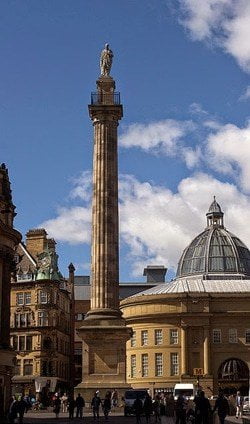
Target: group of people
69,404
198,411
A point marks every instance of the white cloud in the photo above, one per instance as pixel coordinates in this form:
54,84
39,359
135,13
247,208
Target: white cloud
155,223
222,22
158,137
229,152
246,94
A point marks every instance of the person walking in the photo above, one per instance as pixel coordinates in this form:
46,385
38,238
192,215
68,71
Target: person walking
148,408
202,409
107,405
138,407
239,405
156,408
222,406
21,407
57,406
95,403
64,402
180,410
12,415
80,403
71,407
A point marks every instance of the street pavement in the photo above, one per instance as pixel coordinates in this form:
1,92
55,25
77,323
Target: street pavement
37,417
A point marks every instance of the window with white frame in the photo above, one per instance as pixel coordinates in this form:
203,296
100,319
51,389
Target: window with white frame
144,337
174,336
158,364
133,339
232,335
133,366
43,296
216,335
158,337
28,367
22,343
27,298
247,334
42,318
23,319
174,363
20,298
144,365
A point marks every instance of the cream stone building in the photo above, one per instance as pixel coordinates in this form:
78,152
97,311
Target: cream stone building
197,324
41,318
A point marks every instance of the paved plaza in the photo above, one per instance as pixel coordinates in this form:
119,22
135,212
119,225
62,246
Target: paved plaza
114,418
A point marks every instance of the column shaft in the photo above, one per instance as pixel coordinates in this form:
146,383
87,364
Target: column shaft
206,351
183,350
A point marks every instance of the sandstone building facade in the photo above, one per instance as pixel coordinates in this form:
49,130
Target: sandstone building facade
9,238
199,322
41,318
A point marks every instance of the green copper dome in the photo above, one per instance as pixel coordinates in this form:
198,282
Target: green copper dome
215,251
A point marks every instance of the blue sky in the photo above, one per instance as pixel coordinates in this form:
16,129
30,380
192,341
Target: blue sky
182,68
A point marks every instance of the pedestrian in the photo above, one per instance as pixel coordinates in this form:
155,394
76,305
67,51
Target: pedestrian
148,407
138,407
21,407
202,409
107,405
157,408
12,415
114,398
95,403
180,410
80,403
64,402
71,407
221,404
57,406
239,405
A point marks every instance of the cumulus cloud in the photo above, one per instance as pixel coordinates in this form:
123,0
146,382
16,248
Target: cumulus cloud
169,220
246,94
221,22
229,152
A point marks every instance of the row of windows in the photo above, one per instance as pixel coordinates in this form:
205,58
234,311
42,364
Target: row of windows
232,336
48,368
24,298
174,365
25,319
158,337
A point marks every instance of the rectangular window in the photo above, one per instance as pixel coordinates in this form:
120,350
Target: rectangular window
248,336
20,298
216,336
21,343
133,339
144,337
174,361
18,367
158,337
133,366
42,318
27,298
232,335
28,367
28,343
43,297
144,365
173,336
158,365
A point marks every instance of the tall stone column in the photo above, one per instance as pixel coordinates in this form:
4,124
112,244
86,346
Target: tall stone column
104,332
184,349
206,351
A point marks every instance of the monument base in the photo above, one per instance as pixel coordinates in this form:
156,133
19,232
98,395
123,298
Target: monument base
104,357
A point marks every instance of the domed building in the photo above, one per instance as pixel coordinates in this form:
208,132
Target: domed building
195,329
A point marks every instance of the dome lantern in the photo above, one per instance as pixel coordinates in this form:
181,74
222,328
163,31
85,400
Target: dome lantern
215,215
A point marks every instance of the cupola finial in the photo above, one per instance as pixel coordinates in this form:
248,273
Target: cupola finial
215,215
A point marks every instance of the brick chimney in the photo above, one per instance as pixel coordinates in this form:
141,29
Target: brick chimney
36,241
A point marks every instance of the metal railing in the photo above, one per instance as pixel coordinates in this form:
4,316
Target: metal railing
105,98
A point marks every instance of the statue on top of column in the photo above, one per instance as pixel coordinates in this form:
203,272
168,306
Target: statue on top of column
106,60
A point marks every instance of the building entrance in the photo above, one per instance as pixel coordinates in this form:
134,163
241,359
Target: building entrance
233,375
